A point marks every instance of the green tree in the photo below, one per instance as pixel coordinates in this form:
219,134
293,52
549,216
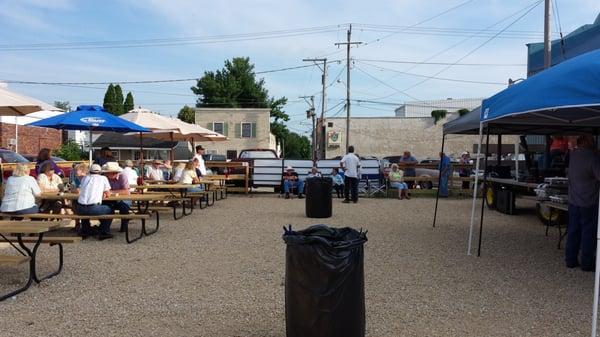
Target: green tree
63,105
236,86
109,98
128,105
438,115
463,111
70,150
187,115
119,99
296,146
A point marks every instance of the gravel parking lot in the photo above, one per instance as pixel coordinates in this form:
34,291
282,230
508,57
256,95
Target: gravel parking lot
220,272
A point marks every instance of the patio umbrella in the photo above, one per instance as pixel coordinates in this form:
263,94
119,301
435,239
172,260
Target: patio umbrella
91,118
13,104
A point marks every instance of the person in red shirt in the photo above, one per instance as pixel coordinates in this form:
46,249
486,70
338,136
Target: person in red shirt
558,148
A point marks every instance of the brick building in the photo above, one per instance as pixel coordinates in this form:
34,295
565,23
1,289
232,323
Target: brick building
31,139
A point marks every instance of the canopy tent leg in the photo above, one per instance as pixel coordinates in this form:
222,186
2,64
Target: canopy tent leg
475,188
485,172
172,150
437,195
596,280
499,151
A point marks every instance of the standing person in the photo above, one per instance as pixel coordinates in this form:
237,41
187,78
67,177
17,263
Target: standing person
201,169
338,181
93,188
20,192
350,163
465,159
119,184
43,157
408,159
584,177
154,172
445,168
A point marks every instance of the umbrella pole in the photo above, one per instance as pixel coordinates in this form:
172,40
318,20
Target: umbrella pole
17,135
475,188
437,195
90,148
596,281
172,150
485,160
141,159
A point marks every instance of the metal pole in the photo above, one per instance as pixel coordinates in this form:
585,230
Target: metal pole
547,32
90,147
475,188
596,281
323,95
348,89
16,135
437,195
487,144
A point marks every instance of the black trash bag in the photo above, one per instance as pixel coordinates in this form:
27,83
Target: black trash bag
318,197
324,282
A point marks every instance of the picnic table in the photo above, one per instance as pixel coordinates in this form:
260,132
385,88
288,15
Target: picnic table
24,230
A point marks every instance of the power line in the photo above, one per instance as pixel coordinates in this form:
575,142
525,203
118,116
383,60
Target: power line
434,77
146,81
445,63
162,42
386,84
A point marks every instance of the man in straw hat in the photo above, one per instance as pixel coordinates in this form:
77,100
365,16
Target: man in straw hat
291,180
92,189
155,172
119,184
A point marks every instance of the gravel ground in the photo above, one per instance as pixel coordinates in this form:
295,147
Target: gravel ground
220,272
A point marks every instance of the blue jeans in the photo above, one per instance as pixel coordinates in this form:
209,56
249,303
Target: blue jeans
124,207
444,185
399,185
583,222
289,184
31,210
95,210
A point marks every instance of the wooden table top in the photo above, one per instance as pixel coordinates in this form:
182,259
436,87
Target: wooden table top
28,227
167,186
113,197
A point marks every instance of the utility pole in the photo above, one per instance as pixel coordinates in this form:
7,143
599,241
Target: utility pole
347,44
324,86
310,114
547,33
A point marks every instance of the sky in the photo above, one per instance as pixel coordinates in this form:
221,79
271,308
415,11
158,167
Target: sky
82,41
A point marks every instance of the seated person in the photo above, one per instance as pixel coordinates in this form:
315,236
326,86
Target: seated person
20,192
338,182
167,169
50,182
291,180
178,171
189,176
44,156
155,172
130,173
119,184
93,188
395,178
314,172
78,172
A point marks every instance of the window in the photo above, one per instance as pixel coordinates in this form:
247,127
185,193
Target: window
246,130
218,127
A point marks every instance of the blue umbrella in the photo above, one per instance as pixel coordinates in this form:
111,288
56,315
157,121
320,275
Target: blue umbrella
90,118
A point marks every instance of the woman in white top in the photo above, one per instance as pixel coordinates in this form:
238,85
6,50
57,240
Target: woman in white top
189,176
47,179
20,193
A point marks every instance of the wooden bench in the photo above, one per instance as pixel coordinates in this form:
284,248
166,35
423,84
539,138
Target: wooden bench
13,260
77,217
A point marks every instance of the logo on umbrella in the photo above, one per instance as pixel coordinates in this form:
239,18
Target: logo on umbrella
93,121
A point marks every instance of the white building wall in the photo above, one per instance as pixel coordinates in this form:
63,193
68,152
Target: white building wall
416,109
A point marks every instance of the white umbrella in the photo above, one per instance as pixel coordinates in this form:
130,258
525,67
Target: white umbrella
13,104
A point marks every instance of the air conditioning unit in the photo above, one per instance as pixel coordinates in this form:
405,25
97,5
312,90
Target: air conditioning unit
334,138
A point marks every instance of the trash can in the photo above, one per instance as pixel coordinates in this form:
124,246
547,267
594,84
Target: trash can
324,282
318,197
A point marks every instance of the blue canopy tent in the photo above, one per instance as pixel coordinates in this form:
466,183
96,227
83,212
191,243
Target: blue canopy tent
564,99
91,118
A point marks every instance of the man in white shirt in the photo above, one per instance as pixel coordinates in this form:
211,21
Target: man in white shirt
155,172
130,173
350,163
201,169
93,188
